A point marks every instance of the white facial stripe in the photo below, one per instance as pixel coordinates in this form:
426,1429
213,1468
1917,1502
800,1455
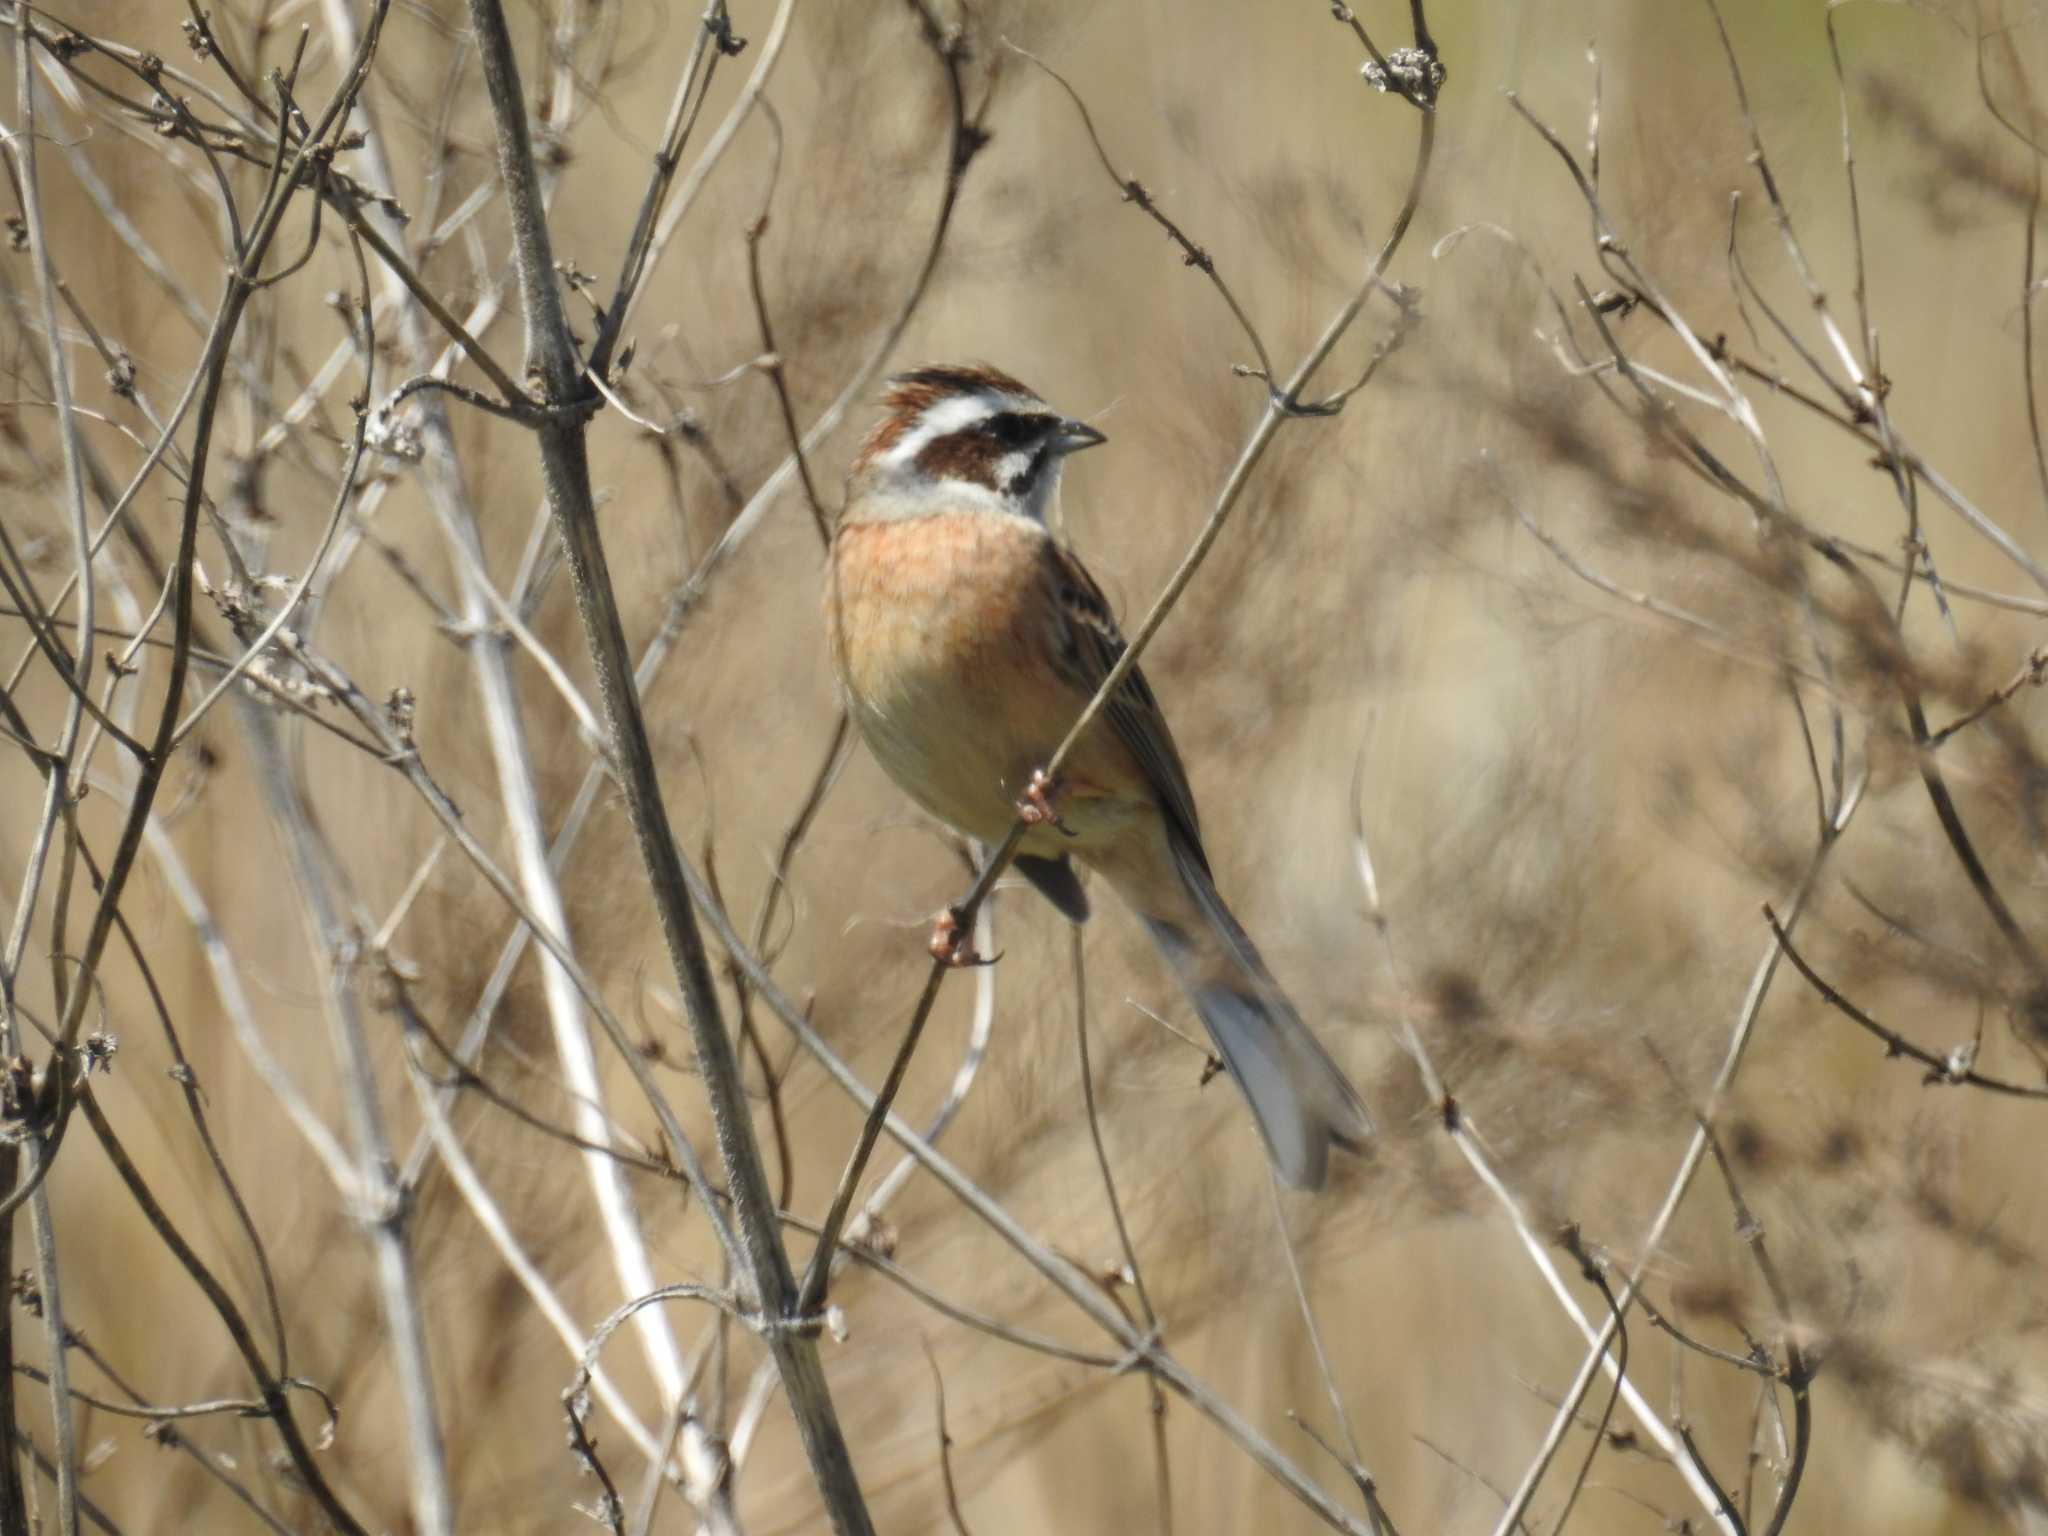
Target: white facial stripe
1011,466
947,416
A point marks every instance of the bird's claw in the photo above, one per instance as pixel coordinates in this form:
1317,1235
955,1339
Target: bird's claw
952,942
1036,807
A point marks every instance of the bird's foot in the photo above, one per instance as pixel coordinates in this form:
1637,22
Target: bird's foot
953,943
1038,807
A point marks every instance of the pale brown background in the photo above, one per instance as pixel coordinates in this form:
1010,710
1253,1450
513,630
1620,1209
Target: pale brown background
1576,808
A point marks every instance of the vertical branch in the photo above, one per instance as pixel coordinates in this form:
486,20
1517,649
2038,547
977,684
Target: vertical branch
64,1432
1349,1458
376,1199
13,1496
24,146
449,496
565,473
945,1445
1163,1490
34,1163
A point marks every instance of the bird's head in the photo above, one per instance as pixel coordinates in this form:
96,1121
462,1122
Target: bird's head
969,434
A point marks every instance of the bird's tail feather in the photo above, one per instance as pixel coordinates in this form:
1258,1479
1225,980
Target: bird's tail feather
1300,1096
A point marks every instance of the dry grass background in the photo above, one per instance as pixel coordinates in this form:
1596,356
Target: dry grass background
1575,806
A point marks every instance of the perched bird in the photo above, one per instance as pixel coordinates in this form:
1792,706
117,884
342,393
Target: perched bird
968,640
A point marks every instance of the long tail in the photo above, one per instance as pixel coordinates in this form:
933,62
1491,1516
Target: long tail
1299,1096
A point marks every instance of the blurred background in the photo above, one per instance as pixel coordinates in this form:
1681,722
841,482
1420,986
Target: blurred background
1582,702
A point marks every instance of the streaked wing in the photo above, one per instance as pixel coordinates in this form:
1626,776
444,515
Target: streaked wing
1087,648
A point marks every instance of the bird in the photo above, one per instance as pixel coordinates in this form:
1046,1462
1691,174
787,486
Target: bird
967,639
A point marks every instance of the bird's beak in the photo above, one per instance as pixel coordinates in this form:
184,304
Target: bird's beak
1073,436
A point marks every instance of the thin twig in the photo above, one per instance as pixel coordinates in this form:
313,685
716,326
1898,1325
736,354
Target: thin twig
1958,1066
771,361
1349,1458
1591,1271
945,1444
1134,192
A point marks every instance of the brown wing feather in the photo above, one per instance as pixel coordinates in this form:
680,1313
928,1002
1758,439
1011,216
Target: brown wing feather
1087,650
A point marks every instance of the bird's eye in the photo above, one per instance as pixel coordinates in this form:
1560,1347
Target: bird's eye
1013,429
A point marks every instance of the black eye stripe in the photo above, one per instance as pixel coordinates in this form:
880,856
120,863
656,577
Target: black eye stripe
1015,429
1007,451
